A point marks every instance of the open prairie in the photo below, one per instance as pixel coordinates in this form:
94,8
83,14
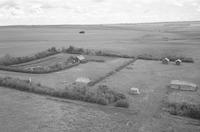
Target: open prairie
131,39
21,111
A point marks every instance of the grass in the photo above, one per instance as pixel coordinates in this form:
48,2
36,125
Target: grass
102,96
93,82
184,109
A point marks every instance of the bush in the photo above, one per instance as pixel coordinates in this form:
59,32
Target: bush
122,103
103,95
109,94
9,60
184,109
75,50
147,57
41,70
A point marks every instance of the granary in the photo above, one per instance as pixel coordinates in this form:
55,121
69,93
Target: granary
183,85
178,62
165,61
82,80
81,58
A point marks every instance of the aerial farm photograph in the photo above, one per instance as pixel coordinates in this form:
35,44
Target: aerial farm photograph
99,65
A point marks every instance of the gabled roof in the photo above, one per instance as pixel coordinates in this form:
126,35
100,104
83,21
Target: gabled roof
166,59
183,83
81,57
178,60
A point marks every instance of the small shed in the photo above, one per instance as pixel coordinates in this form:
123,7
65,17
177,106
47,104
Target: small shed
165,61
81,58
178,62
183,85
82,80
134,91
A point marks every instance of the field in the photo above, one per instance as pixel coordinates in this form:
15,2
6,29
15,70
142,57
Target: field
91,70
22,111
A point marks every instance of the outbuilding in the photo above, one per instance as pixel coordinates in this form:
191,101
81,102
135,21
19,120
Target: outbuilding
134,91
81,59
183,85
82,80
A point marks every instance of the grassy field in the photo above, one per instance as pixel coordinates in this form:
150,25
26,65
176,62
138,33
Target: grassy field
131,39
26,112
91,70
152,79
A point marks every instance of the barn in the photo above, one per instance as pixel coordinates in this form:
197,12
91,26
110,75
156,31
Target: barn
183,85
81,58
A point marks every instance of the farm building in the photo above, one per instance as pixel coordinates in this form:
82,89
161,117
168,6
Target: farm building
134,91
83,80
178,62
183,85
165,61
81,58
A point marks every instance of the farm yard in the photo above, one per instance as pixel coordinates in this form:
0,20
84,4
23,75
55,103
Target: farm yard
91,70
130,57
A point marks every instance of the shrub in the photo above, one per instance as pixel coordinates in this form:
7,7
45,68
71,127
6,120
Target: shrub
102,101
75,50
148,57
103,95
109,94
122,103
184,109
9,60
42,70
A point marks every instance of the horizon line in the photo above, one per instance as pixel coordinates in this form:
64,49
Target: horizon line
24,25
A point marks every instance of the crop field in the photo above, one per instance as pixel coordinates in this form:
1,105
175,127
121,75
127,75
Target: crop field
20,111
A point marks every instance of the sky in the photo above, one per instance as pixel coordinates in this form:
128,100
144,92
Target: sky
42,12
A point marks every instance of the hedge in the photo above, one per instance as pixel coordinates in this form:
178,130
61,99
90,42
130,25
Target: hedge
103,94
